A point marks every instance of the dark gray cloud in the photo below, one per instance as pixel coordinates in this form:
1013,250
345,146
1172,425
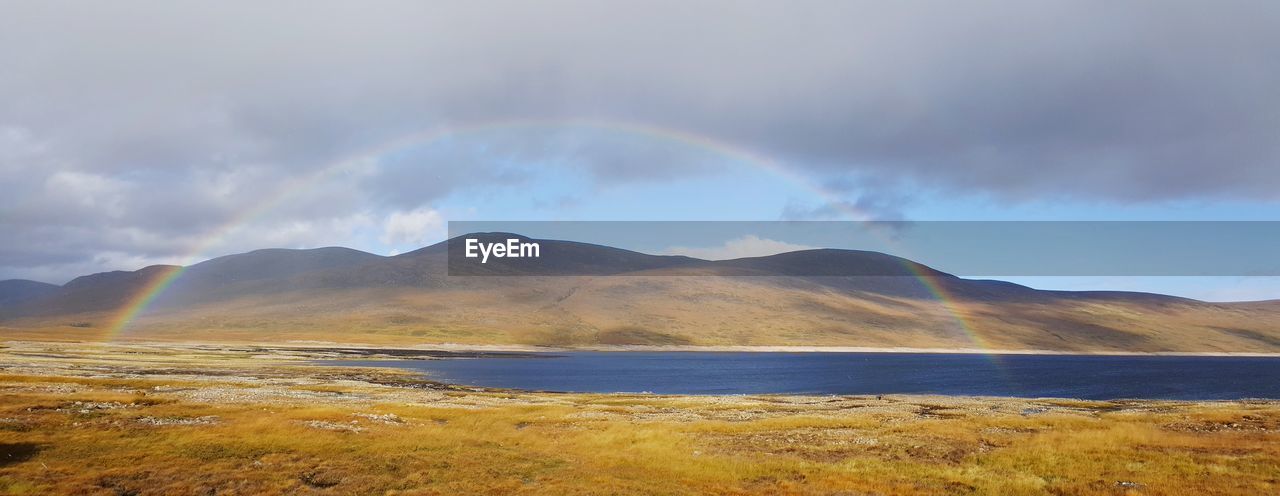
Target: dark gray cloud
130,129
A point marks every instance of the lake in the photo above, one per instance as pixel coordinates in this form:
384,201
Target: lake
1064,376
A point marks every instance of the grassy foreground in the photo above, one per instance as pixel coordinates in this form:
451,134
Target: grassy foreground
188,419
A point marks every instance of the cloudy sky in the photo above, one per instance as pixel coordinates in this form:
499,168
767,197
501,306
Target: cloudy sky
134,133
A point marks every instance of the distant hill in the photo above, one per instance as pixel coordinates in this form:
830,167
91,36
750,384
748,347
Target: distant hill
620,297
15,291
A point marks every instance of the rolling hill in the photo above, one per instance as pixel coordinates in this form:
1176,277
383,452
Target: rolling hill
621,297
16,291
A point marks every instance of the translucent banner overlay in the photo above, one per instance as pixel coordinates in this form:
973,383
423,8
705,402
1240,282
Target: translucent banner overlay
841,248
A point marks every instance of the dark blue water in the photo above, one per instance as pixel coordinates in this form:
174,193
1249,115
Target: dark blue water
1064,376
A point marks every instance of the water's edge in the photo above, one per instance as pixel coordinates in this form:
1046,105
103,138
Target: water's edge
1212,377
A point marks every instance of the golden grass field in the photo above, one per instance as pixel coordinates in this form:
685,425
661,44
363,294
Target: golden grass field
142,419
680,311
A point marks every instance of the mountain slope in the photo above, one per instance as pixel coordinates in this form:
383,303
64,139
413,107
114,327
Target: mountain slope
95,292
626,297
261,272
15,291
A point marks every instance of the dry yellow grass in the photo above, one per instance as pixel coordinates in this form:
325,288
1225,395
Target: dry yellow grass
700,311
142,420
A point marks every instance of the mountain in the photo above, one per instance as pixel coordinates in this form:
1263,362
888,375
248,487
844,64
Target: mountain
260,272
102,291
620,297
15,291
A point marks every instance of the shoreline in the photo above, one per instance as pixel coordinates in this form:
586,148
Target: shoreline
519,348
951,351
134,418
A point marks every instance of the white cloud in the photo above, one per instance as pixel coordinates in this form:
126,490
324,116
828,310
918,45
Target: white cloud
17,144
746,246
88,190
306,233
412,227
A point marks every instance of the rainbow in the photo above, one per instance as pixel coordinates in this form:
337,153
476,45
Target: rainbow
142,299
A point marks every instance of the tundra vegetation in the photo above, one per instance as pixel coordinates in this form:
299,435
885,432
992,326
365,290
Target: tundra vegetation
141,419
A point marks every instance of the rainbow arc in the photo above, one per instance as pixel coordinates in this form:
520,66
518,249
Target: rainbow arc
135,306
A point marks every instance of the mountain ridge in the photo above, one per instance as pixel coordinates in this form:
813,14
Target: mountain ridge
344,295
253,263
